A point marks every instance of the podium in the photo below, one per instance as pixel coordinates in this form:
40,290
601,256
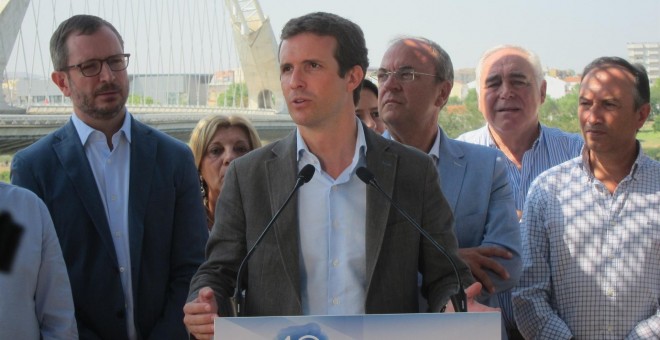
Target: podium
362,327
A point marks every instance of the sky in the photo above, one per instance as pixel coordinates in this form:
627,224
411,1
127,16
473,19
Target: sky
566,34
185,36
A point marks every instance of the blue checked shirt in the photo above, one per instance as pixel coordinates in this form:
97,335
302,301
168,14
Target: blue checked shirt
591,259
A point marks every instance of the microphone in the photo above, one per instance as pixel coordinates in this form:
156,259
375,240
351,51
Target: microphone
459,300
304,176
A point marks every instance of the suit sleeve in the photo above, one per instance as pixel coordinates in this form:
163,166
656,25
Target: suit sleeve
187,249
502,228
439,279
226,247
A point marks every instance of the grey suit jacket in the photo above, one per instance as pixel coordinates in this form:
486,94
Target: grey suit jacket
257,184
167,229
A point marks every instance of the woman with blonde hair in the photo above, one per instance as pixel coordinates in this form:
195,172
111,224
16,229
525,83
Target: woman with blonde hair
215,142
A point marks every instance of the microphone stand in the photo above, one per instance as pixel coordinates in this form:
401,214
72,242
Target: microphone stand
458,300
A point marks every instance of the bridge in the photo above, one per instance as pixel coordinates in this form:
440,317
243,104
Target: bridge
190,60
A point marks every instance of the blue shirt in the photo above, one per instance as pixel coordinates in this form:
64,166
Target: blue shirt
111,170
332,218
591,258
553,147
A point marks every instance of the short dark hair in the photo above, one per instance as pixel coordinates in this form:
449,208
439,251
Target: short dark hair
351,47
642,90
367,84
81,24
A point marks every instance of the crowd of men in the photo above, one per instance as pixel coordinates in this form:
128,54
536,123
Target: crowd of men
559,232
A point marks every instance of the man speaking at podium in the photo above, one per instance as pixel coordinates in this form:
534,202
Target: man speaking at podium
340,248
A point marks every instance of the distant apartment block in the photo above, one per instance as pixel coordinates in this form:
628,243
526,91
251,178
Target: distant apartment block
647,54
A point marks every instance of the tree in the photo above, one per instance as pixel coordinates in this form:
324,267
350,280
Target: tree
562,112
655,100
236,95
459,116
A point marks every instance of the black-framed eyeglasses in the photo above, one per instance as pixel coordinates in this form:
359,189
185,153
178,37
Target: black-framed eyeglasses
403,75
93,67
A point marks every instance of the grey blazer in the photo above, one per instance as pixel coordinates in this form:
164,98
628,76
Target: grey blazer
257,184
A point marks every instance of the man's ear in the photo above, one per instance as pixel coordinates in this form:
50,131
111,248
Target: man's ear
355,75
544,86
61,80
443,94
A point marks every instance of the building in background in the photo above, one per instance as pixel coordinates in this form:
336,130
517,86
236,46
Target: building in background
647,54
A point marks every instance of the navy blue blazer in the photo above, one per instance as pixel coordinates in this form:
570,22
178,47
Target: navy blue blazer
167,229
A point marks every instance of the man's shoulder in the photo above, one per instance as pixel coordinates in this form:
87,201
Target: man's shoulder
560,173
478,136
474,151
554,134
43,146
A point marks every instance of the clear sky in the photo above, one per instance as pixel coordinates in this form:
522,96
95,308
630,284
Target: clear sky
566,34
189,36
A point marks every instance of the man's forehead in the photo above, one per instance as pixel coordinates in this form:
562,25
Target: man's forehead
603,78
508,63
407,52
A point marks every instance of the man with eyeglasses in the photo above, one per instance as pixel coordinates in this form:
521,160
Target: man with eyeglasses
511,90
415,79
123,196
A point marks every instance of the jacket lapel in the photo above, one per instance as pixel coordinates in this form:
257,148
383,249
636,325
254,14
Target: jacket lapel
281,172
382,164
143,160
74,163
452,169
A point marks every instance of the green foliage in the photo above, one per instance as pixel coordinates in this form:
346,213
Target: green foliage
461,116
236,95
655,100
562,112
656,124
134,99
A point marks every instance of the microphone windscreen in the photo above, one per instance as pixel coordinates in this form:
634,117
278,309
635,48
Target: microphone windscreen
364,175
306,173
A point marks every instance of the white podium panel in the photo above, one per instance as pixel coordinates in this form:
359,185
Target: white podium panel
362,327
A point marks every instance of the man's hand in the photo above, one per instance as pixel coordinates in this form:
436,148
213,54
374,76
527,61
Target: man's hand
200,314
479,260
472,305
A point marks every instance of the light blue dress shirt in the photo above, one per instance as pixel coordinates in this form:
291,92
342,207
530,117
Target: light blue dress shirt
111,170
35,297
591,258
553,147
332,216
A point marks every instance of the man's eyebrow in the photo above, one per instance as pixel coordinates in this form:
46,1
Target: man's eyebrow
495,77
518,75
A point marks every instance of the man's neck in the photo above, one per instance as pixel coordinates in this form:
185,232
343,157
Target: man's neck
612,168
515,144
421,139
333,144
107,126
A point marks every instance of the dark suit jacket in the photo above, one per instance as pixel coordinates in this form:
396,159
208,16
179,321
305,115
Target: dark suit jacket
167,229
257,184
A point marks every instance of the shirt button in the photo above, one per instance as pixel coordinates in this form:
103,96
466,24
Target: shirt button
118,234
121,269
335,263
113,197
335,301
610,292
